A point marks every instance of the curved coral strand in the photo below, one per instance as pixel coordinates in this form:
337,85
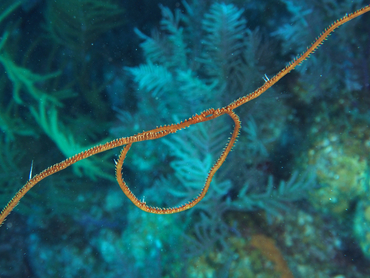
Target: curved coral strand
165,130
142,204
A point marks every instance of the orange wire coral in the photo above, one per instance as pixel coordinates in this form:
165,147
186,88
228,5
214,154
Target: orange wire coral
162,131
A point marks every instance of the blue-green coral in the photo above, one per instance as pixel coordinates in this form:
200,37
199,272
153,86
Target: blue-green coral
361,227
185,69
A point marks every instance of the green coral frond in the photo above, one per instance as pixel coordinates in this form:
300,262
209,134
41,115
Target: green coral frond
77,23
274,200
12,126
9,10
152,78
47,118
3,40
169,50
153,46
23,78
194,88
170,24
224,42
256,144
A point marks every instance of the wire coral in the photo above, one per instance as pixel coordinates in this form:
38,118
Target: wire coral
163,131
166,130
207,226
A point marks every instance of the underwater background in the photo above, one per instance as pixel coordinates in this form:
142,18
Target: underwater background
292,198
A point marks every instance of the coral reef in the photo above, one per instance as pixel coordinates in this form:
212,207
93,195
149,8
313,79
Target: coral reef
291,199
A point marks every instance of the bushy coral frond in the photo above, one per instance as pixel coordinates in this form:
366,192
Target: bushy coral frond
207,232
154,46
23,78
256,144
152,78
289,32
77,24
195,88
170,24
12,126
224,42
169,50
275,199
